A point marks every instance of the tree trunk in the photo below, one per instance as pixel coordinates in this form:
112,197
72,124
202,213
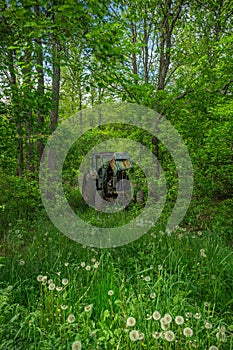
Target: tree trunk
55,87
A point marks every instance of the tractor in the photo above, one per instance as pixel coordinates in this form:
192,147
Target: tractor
108,180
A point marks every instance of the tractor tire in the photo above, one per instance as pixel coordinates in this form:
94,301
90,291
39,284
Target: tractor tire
99,201
140,197
89,187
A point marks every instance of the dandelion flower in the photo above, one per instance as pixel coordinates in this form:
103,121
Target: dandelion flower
167,318
134,335
64,281
52,286
156,315
77,345
208,325
169,335
147,279
188,332
179,320
156,335
71,318
110,292
130,322
88,308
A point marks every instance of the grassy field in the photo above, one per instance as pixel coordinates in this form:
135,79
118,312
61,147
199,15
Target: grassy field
163,291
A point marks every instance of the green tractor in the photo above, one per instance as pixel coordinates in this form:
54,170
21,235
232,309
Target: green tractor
108,181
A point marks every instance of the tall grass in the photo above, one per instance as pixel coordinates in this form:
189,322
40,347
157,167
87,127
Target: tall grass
57,294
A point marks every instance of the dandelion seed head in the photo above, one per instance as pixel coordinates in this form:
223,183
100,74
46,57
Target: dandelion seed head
156,315
71,318
169,335
64,281
188,332
208,325
167,318
39,278
156,335
77,345
134,335
52,286
130,322
147,279
88,308
179,320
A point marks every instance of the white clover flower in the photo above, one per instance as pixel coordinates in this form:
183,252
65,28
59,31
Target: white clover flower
93,260
160,267
169,335
21,262
66,264
130,322
156,335
88,267
83,264
222,329
167,318
188,314
148,317
110,292
199,233
59,289
208,325
39,278
179,320
164,325
88,308
50,281
147,278
71,318
206,304
134,335
152,295
188,332
64,281
52,286
64,307
213,347
77,345
156,315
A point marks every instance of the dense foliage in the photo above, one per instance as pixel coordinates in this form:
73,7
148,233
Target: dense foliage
58,58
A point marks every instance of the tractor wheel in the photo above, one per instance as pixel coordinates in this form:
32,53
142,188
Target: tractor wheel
89,187
99,201
140,197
